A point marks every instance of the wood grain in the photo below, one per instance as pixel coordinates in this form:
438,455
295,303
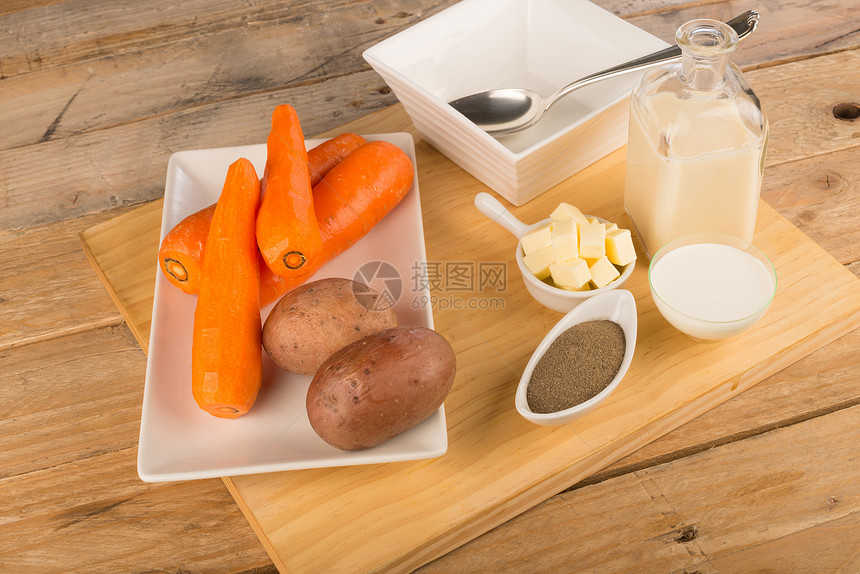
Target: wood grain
111,29
112,172
47,288
116,255
818,384
44,422
77,78
788,30
71,498
802,126
819,196
716,511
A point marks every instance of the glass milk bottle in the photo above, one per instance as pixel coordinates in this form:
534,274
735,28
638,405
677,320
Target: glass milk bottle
696,146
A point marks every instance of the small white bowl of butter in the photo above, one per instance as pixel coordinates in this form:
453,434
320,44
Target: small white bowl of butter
543,271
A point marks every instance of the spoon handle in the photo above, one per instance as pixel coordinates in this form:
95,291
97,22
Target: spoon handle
493,208
645,62
743,24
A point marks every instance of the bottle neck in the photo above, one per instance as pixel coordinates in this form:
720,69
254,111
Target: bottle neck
706,46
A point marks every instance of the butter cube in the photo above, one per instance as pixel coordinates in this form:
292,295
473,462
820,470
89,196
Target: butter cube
568,211
571,274
619,247
608,226
536,240
592,240
538,262
564,240
591,219
603,272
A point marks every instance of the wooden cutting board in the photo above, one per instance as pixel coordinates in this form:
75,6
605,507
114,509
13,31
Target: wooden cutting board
395,517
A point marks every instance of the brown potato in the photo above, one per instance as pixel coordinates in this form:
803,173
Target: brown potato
380,386
313,321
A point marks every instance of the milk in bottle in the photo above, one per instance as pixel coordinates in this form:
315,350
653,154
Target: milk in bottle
696,145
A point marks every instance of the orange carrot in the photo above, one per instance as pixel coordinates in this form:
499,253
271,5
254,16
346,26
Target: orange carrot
273,286
226,352
287,231
359,191
354,196
181,254
181,257
330,153
345,207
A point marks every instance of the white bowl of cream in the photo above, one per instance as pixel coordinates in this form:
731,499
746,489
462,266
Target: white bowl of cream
711,286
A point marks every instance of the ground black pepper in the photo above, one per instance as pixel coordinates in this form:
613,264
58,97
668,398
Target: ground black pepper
580,363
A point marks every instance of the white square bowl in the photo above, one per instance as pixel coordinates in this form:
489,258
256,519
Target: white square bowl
543,45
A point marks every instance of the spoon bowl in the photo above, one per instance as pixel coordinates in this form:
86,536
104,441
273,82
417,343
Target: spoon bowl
509,110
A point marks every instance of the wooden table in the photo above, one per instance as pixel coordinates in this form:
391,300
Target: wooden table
95,96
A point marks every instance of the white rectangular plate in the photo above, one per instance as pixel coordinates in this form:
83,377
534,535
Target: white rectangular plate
179,441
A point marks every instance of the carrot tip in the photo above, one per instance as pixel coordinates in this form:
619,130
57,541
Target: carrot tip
294,259
176,269
224,411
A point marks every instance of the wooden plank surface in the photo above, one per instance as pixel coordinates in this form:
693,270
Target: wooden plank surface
47,288
817,385
692,515
79,144
115,258
515,467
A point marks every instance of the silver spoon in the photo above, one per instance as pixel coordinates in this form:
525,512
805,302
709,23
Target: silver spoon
509,110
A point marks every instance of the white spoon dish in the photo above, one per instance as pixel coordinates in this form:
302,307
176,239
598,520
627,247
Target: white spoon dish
618,306
555,298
